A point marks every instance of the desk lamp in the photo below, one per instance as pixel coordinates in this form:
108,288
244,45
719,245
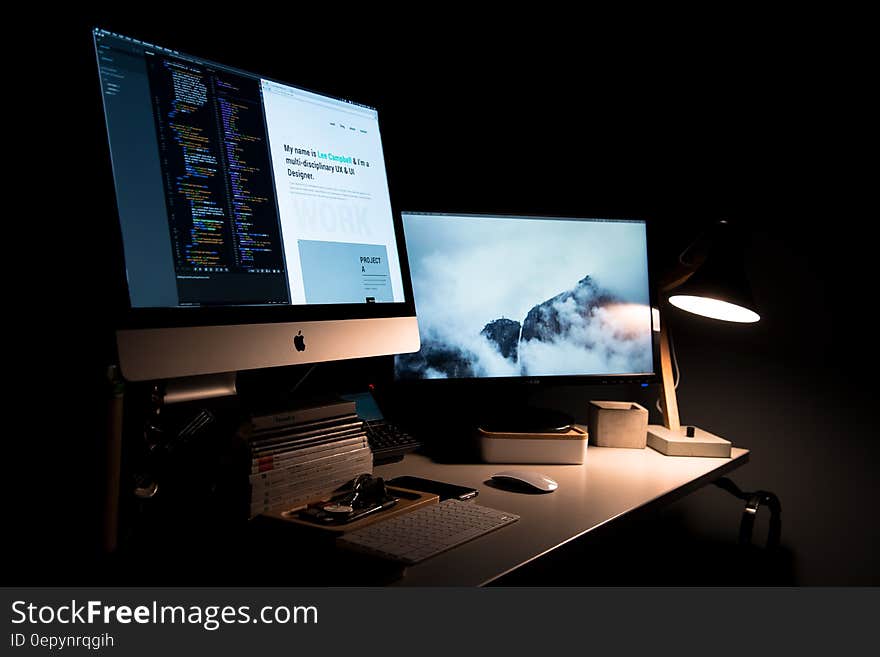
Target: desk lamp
710,281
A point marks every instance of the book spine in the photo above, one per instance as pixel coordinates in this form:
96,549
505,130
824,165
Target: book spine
303,436
309,427
321,491
285,469
296,445
305,478
316,490
275,461
300,416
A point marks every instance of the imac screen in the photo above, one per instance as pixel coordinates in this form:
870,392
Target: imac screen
502,296
237,190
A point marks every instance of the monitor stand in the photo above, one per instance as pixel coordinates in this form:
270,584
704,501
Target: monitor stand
528,419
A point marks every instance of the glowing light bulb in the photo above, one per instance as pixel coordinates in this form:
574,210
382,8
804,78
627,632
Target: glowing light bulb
714,308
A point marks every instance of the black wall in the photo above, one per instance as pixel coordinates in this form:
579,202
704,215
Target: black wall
593,116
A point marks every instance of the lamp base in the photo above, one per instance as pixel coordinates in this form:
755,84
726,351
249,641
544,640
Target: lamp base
672,443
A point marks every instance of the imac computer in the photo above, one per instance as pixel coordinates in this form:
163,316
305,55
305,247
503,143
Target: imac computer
524,299
255,219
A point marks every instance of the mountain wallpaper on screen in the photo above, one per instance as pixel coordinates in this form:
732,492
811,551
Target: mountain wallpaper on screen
585,329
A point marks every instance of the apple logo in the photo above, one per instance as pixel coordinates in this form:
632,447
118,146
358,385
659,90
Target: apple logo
299,342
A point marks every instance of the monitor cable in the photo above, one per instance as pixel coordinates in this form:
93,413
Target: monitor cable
302,379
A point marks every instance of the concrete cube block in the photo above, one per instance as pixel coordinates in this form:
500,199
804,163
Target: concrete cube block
618,424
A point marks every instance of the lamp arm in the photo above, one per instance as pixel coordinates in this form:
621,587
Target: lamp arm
668,398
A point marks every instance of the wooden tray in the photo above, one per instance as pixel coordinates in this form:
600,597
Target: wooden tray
413,499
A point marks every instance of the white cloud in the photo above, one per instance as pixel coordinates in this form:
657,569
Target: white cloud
601,343
431,373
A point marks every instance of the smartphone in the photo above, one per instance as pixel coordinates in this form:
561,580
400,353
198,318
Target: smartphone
441,488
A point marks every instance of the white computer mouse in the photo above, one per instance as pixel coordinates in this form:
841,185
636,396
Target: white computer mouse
523,479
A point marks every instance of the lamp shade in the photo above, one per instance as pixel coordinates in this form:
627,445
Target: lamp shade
719,288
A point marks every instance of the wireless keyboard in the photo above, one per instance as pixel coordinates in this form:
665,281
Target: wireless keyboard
420,534
388,442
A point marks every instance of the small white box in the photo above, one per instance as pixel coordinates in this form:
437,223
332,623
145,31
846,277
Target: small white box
569,447
618,424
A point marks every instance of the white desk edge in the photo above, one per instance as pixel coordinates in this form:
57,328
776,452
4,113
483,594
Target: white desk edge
610,484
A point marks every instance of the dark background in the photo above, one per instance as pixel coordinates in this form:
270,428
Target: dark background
681,119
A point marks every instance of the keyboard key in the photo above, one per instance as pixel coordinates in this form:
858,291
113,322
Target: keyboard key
427,531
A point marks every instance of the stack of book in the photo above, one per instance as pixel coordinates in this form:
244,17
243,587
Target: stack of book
304,454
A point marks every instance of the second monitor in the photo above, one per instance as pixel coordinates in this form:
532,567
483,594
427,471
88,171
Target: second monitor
501,296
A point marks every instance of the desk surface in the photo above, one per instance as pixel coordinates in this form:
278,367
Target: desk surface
610,484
